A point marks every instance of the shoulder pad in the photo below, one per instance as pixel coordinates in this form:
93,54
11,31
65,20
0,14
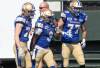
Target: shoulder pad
63,15
39,23
20,19
40,19
85,16
66,12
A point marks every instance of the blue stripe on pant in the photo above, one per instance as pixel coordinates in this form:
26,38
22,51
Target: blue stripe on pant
33,62
18,59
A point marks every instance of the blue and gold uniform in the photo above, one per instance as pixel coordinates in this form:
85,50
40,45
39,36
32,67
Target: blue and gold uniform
72,26
23,37
45,29
73,22
23,26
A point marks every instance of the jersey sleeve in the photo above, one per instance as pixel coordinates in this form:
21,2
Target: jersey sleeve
85,18
20,19
38,27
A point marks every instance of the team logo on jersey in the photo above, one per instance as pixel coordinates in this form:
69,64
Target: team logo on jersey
74,21
69,18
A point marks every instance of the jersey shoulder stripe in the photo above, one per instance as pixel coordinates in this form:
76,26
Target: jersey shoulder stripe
20,19
64,13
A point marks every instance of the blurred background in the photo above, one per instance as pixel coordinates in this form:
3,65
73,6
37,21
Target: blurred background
92,50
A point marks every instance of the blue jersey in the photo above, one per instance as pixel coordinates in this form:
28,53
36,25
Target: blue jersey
26,21
72,26
45,30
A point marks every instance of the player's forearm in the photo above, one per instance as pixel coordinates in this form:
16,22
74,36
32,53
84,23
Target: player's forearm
17,33
84,31
31,44
33,41
84,34
17,41
60,23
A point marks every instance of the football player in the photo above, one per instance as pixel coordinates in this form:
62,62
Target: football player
23,25
43,33
44,12
73,21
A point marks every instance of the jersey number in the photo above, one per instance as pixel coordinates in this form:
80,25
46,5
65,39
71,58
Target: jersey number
71,27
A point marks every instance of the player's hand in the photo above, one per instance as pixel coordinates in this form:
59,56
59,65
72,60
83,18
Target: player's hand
83,43
21,52
58,30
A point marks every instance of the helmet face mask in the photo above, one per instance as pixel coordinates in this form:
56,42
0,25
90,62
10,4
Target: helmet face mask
31,13
28,9
76,10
